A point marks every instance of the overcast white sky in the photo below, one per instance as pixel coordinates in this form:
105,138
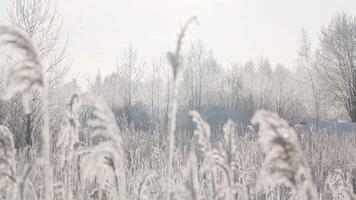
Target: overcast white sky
235,29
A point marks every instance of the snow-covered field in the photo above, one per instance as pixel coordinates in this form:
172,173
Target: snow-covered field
91,157
181,127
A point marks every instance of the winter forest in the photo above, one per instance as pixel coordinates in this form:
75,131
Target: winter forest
184,125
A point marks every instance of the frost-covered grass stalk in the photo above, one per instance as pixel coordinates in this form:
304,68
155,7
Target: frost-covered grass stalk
221,164
202,132
107,158
192,184
176,60
284,162
67,142
25,77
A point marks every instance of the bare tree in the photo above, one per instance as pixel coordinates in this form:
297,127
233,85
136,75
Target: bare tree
280,74
40,21
286,100
156,80
201,77
337,60
264,71
249,72
232,87
167,77
306,61
130,70
193,76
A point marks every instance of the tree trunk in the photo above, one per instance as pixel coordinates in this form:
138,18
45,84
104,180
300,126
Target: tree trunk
353,109
28,130
353,97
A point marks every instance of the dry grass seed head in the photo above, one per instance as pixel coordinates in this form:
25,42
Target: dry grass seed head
284,162
107,156
26,75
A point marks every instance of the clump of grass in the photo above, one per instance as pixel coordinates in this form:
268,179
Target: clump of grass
220,163
336,182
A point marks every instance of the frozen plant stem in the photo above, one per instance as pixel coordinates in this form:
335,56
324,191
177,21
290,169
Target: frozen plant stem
176,61
46,148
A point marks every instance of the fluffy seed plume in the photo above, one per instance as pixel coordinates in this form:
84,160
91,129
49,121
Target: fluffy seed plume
202,131
284,162
107,156
68,136
25,76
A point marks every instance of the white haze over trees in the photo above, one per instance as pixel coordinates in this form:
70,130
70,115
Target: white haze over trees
181,125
